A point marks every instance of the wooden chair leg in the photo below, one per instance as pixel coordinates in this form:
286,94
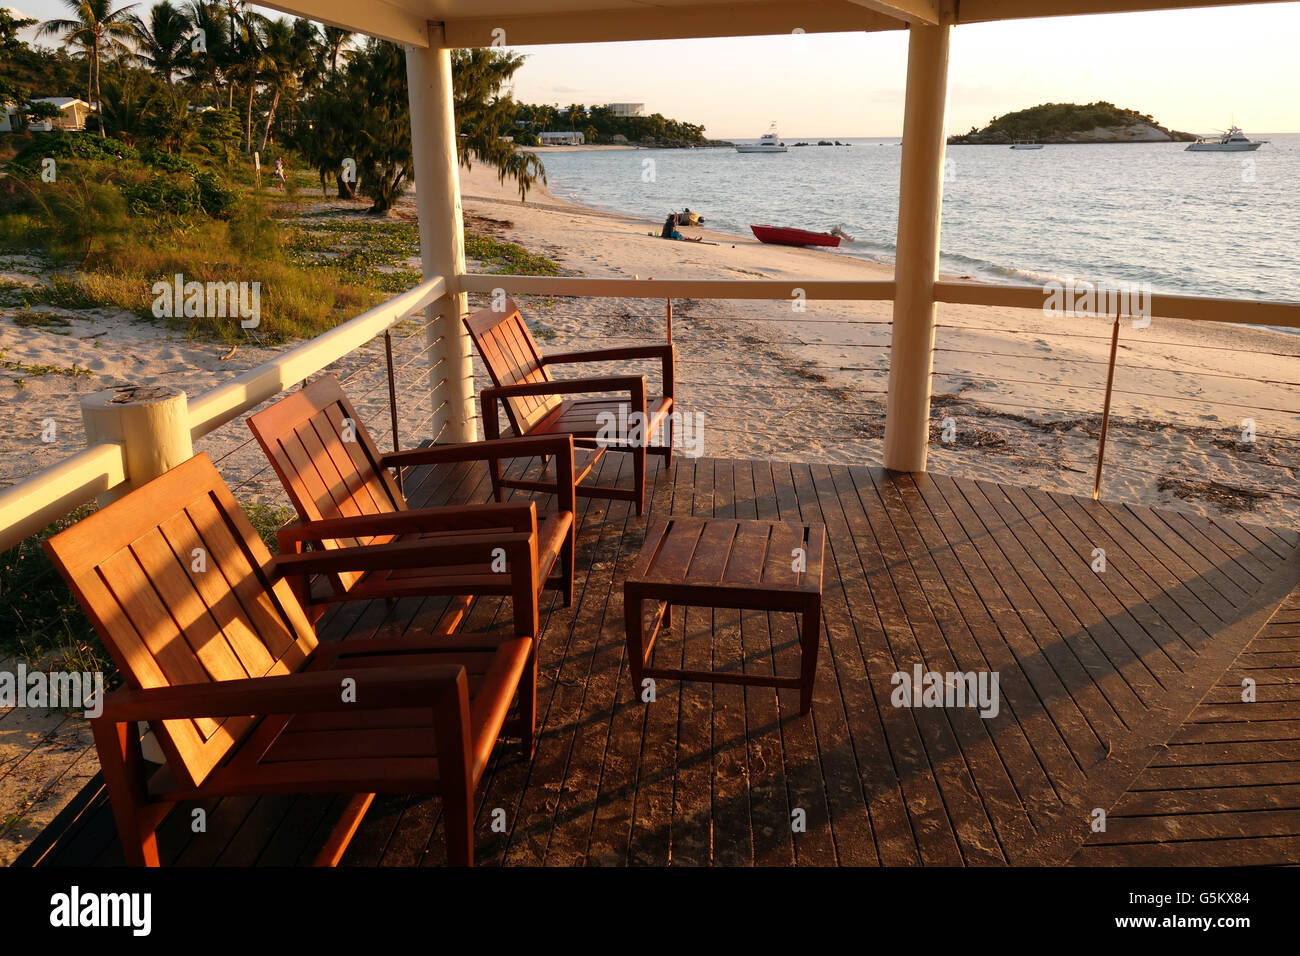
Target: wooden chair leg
634,624
451,722
638,477
811,640
528,705
566,567
122,765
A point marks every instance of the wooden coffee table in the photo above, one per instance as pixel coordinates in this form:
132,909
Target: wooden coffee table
727,563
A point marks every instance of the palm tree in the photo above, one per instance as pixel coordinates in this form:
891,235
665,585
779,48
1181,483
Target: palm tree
486,116
164,40
248,56
99,31
336,38
282,55
209,65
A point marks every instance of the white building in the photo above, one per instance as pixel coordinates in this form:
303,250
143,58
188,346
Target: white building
626,109
567,138
73,110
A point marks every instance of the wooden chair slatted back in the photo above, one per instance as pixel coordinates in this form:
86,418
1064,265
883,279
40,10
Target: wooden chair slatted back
507,349
327,461
181,590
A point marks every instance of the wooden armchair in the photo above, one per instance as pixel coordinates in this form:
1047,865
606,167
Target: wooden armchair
346,498
535,403
219,657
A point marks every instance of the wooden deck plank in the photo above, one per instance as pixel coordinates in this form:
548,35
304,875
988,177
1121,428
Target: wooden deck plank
651,837
732,826
1024,724
977,787
868,606
770,810
995,746
806,781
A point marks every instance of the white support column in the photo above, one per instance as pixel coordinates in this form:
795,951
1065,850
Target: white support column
442,236
150,422
920,197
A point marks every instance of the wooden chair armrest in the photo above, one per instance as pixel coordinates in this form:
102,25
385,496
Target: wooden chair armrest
572,386
519,516
473,547
664,350
528,447
303,692
558,446
667,352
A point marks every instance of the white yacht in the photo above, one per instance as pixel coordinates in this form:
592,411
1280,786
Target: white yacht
769,143
1233,141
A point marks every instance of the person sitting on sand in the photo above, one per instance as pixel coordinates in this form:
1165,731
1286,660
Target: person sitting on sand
670,229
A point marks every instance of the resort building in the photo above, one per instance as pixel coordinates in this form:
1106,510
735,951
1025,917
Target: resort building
74,115
73,118
562,138
625,110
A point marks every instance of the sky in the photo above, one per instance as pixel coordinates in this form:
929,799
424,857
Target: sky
1193,70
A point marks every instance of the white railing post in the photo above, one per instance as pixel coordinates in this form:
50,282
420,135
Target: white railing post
920,196
442,237
150,422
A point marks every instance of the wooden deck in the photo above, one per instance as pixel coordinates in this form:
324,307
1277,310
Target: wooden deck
1119,691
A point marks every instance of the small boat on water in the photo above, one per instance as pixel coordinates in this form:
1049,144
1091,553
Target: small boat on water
1233,141
770,142
789,236
1026,144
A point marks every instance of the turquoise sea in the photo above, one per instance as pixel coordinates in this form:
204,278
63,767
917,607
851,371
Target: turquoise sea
1218,224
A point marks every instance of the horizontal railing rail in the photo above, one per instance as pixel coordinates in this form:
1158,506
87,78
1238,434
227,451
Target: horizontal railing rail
47,495
956,292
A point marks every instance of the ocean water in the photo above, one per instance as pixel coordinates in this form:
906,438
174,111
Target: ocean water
1218,224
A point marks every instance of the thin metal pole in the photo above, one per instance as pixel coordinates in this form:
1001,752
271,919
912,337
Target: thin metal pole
670,321
1105,412
392,400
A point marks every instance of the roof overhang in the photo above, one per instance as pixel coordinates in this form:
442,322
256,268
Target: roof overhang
468,23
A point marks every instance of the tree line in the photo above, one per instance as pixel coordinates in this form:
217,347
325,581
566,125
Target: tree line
180,76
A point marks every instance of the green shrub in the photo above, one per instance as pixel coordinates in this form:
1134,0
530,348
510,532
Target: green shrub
61,145
253,233
170,162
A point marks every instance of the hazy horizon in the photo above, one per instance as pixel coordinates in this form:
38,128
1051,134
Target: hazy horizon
852,85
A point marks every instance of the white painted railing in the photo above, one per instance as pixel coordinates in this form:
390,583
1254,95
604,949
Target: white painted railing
1196,308
47,495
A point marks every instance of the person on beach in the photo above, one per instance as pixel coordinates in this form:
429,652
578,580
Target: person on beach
279,172
670,230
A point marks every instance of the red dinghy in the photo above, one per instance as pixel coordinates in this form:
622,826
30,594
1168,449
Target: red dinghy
786,236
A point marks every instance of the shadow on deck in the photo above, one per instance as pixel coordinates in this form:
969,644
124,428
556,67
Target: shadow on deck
1120,690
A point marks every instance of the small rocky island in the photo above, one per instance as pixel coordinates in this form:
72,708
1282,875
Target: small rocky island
1062,123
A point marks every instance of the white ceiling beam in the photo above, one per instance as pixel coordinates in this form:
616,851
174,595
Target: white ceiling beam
922,12
373,17
670,23
983,11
